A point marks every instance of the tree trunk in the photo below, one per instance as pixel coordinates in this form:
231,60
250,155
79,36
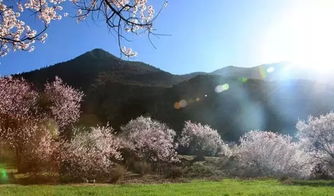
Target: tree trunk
18,160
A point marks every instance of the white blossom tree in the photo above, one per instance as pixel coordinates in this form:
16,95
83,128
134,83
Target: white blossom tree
317,137
92,154
202,140
151,140
271,154
121,16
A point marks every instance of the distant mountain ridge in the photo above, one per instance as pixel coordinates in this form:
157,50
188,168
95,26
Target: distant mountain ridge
117,91
97,65
258,72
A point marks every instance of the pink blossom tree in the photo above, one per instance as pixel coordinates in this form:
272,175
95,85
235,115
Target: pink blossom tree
316,136
64,102
121,16
271,154
41,151
92,154
202,140
27,124
151,140
17,110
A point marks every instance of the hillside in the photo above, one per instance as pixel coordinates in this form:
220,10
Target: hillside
99,66
273,72
118,91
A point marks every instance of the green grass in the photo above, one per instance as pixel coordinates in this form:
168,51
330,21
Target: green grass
201,188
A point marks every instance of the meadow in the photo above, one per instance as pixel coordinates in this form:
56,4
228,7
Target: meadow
224,187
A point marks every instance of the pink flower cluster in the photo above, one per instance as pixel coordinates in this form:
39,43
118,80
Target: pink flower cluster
65,102
27,123
18,98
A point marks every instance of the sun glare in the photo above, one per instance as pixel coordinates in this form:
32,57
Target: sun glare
304,36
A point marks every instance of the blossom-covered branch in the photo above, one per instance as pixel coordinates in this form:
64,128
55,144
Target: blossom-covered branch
121,16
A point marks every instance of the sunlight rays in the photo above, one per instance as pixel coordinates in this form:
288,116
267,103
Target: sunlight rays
303,35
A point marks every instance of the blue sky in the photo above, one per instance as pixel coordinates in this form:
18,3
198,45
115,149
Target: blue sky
204,36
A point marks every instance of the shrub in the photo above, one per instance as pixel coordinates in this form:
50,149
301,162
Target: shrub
117,173
199,169
174,172
141,167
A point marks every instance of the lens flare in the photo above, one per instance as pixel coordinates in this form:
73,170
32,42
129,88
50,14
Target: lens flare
303,36
243,79
183,103
177,106
3,175
270,69
222,88
180,104
262,72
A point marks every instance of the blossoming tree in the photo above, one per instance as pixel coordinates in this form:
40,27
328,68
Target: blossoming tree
121,16
271,154
317,137
92,154
202,140
151,140
64,102
30,119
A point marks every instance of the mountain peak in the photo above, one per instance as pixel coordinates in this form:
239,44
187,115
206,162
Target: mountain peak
98,53
227,69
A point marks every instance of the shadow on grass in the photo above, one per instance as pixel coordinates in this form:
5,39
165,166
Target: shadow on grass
26,179
37,180
318,183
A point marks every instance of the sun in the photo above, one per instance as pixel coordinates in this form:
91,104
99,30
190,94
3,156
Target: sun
303,35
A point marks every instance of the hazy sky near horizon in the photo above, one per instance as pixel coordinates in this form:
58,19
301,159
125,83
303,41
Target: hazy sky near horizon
204,36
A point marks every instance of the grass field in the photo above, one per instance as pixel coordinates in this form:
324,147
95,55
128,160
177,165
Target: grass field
202,188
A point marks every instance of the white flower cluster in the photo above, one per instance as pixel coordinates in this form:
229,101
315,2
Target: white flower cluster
202,140
128,52
91,154
133,16
138,9
316,136
151,140
15,34
272,154
47,9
